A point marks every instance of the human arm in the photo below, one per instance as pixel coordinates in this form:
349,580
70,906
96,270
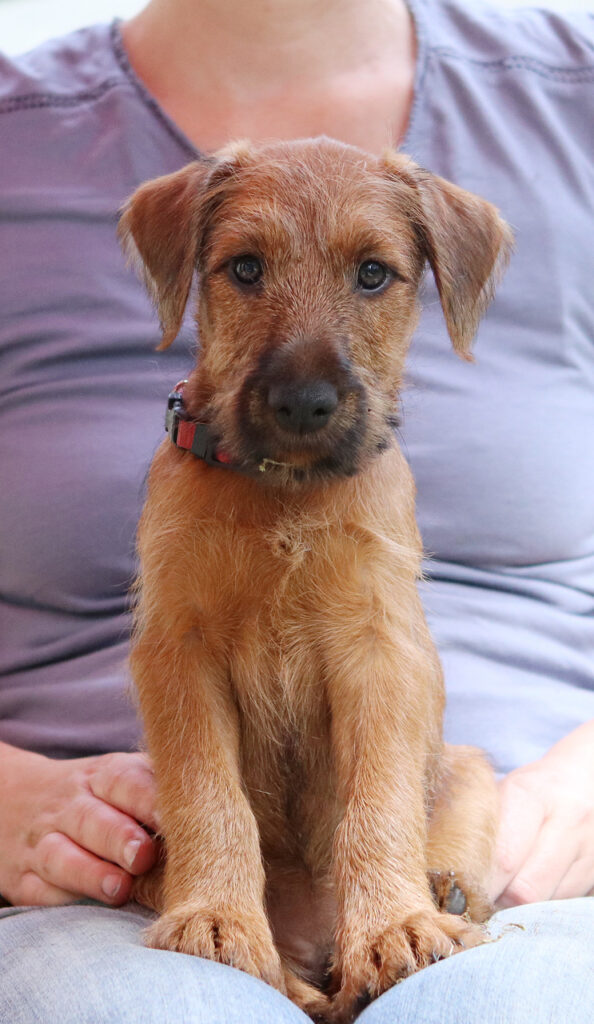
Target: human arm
545,848
71,828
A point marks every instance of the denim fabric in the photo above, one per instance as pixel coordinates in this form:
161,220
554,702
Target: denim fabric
85,964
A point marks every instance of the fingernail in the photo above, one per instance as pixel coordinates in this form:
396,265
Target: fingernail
111,886
130,850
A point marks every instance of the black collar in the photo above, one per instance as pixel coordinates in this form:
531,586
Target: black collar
190,435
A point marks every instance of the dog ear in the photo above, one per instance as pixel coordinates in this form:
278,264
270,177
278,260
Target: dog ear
158,230
465,241
161,228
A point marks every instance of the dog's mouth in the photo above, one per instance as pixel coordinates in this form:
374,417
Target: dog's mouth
286,463
331,435
301,425
297,418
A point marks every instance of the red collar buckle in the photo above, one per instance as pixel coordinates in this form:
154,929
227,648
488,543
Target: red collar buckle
188,434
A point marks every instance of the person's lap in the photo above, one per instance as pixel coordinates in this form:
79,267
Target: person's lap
85,964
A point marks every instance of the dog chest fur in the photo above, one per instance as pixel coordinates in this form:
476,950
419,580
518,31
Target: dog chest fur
303,570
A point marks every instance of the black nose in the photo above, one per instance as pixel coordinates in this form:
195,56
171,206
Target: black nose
303,408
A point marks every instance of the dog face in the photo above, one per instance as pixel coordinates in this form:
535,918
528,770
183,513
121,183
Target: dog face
309,257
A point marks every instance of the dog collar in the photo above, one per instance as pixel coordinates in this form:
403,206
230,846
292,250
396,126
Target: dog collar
190,435
196,437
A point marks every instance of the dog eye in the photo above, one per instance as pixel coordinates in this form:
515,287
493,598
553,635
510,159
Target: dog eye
372,275
247,269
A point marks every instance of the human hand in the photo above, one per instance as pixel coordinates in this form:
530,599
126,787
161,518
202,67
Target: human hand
70,829
545,848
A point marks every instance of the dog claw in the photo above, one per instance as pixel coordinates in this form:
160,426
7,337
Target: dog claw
244,942
422,939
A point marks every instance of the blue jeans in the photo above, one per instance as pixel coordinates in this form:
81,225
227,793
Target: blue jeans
85,964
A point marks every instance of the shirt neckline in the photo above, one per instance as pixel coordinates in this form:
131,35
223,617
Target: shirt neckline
153,105
170,126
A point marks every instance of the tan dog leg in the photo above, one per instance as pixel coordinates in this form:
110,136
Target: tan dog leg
214,877
388,924
462,833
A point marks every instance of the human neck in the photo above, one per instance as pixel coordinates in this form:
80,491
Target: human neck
278,68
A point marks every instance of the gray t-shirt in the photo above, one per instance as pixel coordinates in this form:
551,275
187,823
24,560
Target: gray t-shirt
502,450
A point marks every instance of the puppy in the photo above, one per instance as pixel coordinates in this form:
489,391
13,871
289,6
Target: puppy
317,829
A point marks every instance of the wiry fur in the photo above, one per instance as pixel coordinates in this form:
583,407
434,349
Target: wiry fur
290,690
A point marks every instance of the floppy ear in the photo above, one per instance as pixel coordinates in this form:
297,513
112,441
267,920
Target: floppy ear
158,230
465,241
161,228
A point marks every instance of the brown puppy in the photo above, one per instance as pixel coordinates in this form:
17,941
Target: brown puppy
291,694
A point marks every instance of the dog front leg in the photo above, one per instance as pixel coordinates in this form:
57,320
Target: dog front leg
214,877
385,730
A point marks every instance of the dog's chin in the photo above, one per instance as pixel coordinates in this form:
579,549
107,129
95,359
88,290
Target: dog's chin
314,459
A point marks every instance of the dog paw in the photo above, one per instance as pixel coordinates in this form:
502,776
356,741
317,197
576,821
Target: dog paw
454,893
373,963
239,940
